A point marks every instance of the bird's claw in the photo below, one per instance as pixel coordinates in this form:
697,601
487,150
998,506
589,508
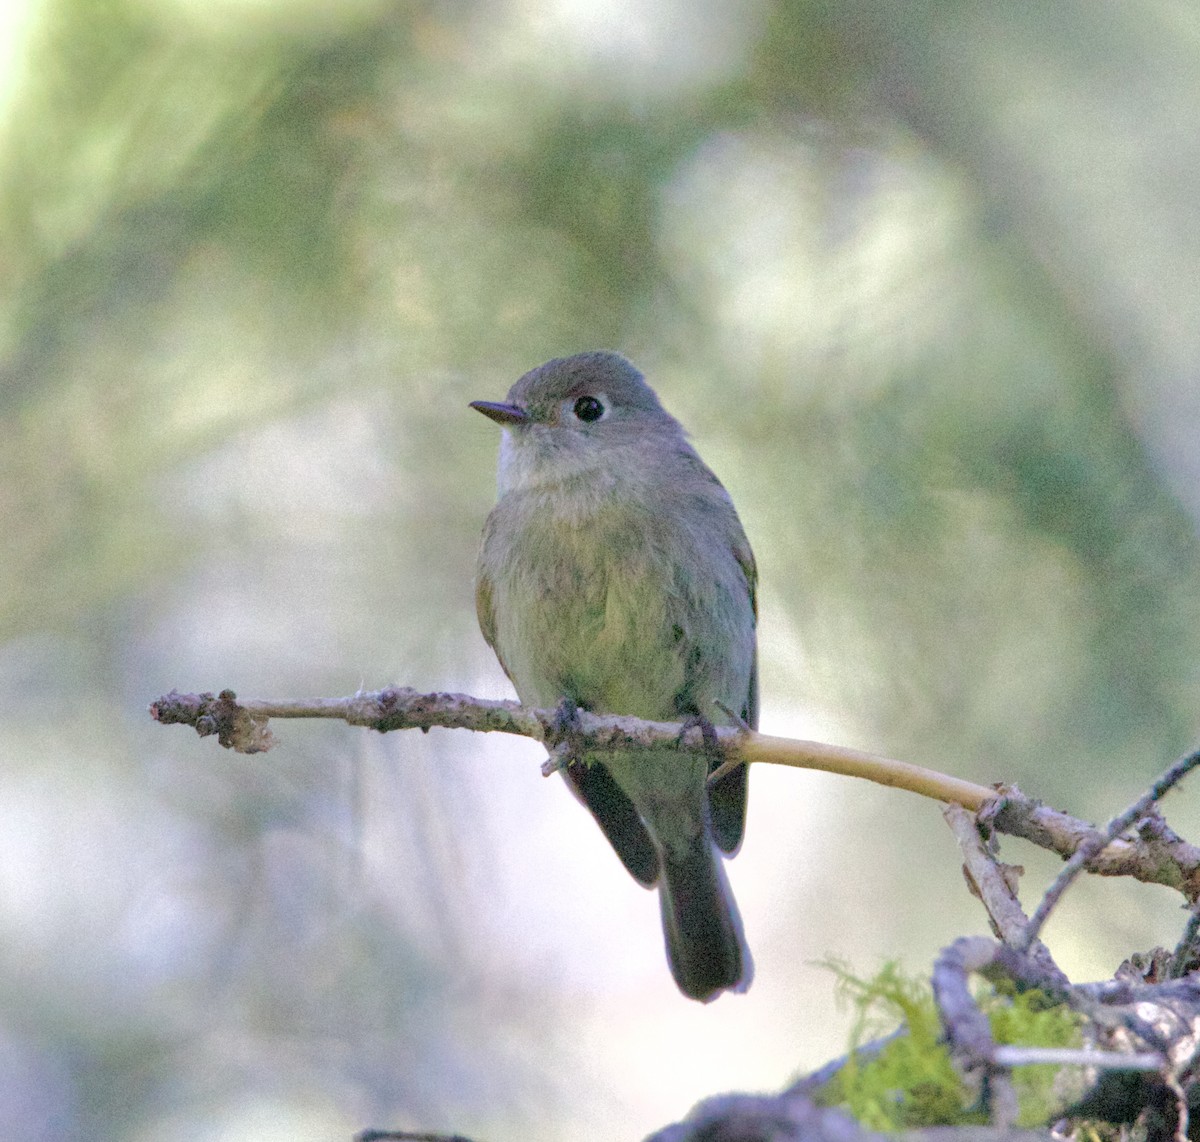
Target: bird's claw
563,738
708,735
719,764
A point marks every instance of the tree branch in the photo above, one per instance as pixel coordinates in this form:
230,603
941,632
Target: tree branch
993,882
1156,856
1140,809
241,725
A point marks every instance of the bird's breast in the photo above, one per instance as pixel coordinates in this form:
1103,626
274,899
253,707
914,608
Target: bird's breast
584,605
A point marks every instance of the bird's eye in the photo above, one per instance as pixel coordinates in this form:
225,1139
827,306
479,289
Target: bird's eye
588,409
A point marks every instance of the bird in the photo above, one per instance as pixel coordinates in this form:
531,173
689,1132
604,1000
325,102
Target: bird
614,576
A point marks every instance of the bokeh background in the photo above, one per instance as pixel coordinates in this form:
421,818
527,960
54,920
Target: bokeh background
922,280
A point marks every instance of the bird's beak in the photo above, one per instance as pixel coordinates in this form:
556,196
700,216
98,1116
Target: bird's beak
500,412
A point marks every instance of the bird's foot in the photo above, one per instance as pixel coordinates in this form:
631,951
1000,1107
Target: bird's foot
720,764
708,735
563,738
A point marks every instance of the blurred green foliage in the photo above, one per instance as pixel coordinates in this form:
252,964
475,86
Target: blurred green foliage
919,278
910,1082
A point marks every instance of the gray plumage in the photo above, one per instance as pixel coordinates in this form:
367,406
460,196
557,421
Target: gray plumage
614,573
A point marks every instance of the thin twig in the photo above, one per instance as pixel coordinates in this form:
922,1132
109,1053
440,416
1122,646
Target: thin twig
1011,1056
1157,856
1171,1080
1093,845
988,878
756,747
1183,959
240,724
372,1135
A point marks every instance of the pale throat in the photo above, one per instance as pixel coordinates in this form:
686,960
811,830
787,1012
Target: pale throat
526,466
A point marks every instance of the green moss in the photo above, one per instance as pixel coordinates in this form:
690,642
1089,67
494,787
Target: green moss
910,1082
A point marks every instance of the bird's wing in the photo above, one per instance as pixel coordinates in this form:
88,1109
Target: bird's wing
745,558
727,799
594,785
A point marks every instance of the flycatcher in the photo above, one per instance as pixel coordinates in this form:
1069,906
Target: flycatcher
615,576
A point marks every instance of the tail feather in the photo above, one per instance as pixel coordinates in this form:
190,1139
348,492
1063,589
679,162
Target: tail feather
706,947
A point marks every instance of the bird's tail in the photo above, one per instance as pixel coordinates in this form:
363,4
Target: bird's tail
705,945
